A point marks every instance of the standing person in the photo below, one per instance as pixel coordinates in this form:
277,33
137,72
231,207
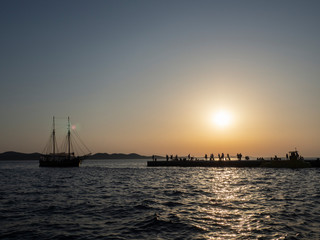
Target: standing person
206,157
167,157
222,156
219,157
228,156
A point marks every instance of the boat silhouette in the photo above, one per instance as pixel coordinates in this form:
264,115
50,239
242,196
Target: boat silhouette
68,158
295,161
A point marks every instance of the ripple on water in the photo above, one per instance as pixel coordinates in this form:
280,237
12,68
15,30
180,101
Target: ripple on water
109,201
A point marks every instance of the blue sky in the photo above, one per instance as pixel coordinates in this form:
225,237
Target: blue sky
142,76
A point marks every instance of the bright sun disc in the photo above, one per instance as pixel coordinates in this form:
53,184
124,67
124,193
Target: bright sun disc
222,119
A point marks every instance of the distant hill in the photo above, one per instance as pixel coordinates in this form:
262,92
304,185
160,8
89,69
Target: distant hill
34,156
19,156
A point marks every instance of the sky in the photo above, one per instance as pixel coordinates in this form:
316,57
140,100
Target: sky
150,77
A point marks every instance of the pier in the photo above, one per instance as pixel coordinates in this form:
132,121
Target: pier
236,163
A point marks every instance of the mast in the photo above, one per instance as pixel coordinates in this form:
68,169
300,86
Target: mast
53,138
68,138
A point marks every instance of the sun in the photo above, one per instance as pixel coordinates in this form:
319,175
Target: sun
222,119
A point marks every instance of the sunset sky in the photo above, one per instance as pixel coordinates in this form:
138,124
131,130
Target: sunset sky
150,77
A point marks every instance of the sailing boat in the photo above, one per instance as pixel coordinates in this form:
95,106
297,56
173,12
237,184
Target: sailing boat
54,158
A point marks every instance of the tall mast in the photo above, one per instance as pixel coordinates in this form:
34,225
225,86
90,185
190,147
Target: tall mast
53,138
68,138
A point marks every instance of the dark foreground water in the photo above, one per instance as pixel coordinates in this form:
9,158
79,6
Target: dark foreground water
126,200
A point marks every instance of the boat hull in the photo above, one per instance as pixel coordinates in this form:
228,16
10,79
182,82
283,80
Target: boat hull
75,162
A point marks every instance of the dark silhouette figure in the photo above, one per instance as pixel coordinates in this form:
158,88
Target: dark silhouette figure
222,156
206,157
167,157
228,156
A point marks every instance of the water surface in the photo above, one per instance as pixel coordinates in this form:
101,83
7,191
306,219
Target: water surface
124,199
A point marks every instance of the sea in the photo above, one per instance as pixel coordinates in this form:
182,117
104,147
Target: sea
125,199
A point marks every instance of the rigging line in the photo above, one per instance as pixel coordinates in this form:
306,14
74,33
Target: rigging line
78,146
46,148
77,135
71,148
64,144
78,138
82,150
74,144
83,144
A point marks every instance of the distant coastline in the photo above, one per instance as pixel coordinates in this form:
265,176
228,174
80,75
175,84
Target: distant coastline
11,155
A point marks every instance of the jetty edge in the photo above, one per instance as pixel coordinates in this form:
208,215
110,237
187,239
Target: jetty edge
236,163
293,160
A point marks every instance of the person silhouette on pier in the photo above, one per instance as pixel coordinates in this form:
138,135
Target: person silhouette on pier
206,157
228,156
167,157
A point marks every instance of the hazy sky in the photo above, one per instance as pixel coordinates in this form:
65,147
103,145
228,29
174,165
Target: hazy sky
147,76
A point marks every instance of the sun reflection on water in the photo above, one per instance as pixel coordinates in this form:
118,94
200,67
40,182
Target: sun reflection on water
232,206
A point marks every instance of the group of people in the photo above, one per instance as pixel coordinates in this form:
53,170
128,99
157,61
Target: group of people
221,157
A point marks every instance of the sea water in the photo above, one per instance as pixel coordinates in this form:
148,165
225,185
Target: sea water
124,199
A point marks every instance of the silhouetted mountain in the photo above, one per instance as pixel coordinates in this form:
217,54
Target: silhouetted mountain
35,156
19,156
118,156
